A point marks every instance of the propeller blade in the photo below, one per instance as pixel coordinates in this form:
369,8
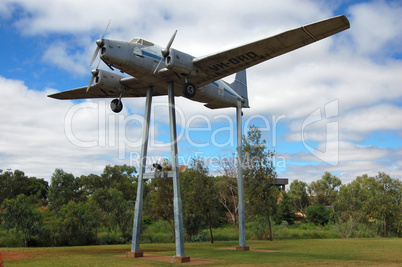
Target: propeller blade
90,82
95,73
99,43
165,51
171,40
107,27
158,65
94,55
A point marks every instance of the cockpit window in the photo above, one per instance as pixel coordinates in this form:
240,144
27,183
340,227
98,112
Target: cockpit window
141,42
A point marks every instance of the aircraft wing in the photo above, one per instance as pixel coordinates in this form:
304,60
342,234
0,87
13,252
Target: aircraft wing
132,88
222,64
81,93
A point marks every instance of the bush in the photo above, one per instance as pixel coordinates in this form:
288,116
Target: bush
259,228
285,210
193,224
76,224
283,225
305,231
11,241
158,232
228,233
111,239
202,236
319,215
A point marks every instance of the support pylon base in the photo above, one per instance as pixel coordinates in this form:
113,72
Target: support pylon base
135,254
242,248
177,259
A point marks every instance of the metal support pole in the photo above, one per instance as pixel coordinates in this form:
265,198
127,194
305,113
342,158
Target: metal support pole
135,242
242,216
178,215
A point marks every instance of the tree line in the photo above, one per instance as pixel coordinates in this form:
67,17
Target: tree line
75,210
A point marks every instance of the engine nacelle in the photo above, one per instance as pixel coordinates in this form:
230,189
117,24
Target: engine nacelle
180,62
109,81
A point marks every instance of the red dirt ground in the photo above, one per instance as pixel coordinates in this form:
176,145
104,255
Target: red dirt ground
256,250
15,256
169,259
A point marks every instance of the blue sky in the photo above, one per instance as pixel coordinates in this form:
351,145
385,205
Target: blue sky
46,46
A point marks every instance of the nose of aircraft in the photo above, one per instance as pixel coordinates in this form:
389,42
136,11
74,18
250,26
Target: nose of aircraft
114,53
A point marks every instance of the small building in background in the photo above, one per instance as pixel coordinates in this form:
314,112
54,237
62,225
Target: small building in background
280,183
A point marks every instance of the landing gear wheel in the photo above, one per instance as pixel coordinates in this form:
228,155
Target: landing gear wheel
116,105
189,90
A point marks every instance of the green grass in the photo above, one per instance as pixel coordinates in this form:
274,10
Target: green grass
305,231
302,231
307,252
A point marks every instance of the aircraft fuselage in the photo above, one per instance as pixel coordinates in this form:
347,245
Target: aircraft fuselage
145,62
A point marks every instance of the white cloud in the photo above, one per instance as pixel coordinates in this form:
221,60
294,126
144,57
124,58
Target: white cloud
376,27
39,134
6,10
340,68
354,160
376,118
58,54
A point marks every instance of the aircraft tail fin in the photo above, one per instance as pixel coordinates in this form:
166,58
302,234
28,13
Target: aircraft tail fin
240,86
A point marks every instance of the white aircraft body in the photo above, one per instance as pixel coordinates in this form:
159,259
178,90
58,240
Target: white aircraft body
197,78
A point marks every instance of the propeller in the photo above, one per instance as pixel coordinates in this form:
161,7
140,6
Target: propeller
99,44
95,73
166,50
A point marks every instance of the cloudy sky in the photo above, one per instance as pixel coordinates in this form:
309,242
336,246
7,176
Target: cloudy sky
335,105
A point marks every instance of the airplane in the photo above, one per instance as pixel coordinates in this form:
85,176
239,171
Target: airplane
196,78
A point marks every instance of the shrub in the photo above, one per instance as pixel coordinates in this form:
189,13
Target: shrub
319,215
76,224
259,228
158,232
202,236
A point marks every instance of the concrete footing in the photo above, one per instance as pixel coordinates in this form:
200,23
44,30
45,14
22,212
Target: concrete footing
241,248
177,259
134,254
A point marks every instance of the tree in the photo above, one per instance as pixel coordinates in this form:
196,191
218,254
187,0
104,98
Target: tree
159,201
76,224
285,210
200,199
89,183
114,207
385,202
37,187
12,184
318,214
325,190
372,201
228,188
228,196
20,214
260,193
351,205
298,195
15,183
122,178
63,188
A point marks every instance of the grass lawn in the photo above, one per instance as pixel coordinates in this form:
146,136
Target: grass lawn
302,252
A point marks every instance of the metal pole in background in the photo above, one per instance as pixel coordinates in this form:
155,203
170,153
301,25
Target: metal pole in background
242,216
135,242
177,206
